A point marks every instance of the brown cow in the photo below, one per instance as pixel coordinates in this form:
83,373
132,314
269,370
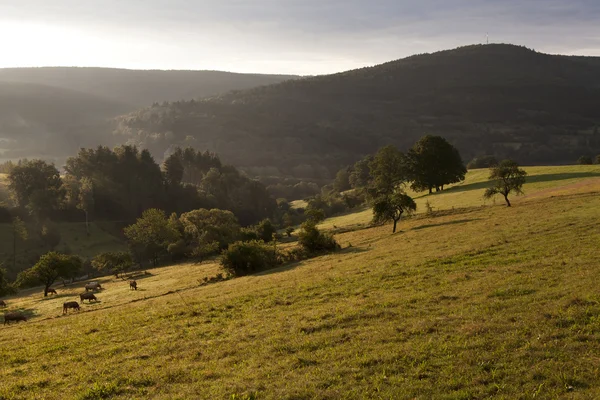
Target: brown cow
87,296
51,290
70,304
14,316
133,285
2,303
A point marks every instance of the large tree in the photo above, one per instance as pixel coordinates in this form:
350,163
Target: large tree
209,229
49,268
392,207
113,262
389,171
150,236
36,186
507,177
434,163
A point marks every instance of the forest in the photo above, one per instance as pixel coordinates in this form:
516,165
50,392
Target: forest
501,100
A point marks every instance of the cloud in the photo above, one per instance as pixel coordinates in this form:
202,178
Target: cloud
288,36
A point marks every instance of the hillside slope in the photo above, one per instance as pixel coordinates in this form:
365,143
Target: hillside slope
139,88
51,112
476,303
497,99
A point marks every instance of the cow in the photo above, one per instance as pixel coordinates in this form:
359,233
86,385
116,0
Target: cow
14,316
51,290
93,286
87,296
133,285
70,304
2,303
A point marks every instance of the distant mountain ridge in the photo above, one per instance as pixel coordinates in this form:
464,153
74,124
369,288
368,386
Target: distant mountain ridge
486,99
51,112
140,87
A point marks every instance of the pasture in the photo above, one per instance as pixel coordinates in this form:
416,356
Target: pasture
465,303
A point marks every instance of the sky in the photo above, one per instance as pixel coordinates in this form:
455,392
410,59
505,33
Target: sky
305,37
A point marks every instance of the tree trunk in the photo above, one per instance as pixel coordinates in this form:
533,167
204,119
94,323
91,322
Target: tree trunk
46,291
395,222
87,225
14,248
507,202
430,191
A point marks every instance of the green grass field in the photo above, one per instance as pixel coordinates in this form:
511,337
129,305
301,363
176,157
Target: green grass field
471,303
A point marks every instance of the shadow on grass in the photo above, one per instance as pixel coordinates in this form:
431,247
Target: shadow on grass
460,221
529,179
348,250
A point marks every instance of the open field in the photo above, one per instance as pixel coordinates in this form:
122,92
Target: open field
469,193
471,303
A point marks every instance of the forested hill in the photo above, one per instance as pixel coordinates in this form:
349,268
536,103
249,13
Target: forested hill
486,99
51,112
140,88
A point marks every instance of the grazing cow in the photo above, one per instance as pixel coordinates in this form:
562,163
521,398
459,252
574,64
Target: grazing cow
14,316
87,296
93,286
51,290
2,303
70,304
133,285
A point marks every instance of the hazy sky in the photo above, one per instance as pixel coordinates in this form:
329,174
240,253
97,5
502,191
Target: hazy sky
280,36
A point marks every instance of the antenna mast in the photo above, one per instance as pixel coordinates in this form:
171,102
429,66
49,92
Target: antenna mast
487,38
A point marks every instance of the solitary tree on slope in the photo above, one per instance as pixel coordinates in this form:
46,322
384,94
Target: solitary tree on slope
508,177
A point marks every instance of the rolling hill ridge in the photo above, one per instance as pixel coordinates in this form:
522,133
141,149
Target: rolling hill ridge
505,100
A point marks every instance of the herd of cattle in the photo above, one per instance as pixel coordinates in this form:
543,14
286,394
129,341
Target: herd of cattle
91,286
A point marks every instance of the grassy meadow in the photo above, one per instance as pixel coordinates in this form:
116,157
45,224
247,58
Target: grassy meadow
465,303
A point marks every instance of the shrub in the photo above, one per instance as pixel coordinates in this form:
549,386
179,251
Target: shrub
598,159
585,160
243,258
312,240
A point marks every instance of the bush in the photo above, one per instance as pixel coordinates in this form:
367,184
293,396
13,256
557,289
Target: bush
598,159
312,240
243,258
585,160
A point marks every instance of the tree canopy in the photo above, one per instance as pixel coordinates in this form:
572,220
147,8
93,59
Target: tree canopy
392,207
507,177
49,268
433,163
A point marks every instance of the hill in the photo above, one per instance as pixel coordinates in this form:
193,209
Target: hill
138,88
50,113
40,121
470,303
486,99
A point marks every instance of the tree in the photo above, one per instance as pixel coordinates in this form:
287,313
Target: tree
585,160
265,230
36,186
433,163
598,159
49,268
389,171
207,231
19,231
508,178
86,200
391,207
360,174
342,181
150,236
113,262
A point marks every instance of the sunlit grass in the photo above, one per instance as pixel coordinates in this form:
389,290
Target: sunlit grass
483,302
